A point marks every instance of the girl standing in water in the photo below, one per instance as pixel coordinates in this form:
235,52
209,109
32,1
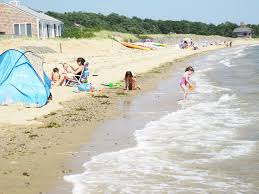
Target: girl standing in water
185,83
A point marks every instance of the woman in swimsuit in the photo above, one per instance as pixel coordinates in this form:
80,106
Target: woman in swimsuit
185,83
75,70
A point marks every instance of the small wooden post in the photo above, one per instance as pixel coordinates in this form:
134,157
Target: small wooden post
60,47
112,41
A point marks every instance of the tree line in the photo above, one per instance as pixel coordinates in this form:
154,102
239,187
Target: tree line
91,22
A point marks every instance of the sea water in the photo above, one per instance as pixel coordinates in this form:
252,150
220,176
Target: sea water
209,145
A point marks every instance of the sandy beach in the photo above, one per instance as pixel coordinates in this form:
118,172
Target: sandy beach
36,143
108,59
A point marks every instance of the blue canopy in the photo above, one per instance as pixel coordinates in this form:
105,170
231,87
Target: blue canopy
20,82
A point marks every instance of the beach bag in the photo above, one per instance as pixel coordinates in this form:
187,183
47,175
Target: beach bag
85,87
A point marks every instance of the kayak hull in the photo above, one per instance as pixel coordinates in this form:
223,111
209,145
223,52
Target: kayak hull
134,46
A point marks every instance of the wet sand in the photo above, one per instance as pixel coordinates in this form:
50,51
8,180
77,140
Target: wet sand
158,99
35,158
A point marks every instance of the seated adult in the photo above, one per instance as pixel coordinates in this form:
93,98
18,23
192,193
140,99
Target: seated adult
75,70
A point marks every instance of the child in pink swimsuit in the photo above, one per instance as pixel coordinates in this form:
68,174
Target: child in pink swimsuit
185,81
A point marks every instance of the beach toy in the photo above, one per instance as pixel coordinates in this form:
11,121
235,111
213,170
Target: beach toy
84,80
110,85
92,89
191,88
113,85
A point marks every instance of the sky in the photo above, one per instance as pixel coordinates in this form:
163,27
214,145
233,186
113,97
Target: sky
208,11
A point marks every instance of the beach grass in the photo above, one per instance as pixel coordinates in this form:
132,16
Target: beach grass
122,94
51,125
50,114
104,34
101,96
80,109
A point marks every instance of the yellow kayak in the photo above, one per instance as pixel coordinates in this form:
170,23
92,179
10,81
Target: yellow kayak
134,46
160,44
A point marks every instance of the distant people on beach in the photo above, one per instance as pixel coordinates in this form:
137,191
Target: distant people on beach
185,82
230,44
195,47
188,43
130,81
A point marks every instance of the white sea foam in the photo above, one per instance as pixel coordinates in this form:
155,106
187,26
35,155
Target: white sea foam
226,58
204,70
253,45
212,57
173,152
227,62
201,133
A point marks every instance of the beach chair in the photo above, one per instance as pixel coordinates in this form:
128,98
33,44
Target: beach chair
79,79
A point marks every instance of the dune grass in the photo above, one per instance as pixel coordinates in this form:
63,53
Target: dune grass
104,34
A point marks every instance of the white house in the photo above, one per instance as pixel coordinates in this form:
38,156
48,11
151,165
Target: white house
19,20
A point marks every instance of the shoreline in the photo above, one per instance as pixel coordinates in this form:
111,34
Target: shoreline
114,156
61,134
88,149
104,57
107,139
123,140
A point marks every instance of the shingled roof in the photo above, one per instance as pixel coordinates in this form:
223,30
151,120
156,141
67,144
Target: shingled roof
37,14
242,29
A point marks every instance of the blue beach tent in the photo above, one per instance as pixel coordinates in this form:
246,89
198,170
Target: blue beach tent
22,82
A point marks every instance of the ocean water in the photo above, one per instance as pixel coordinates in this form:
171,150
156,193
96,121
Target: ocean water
209,145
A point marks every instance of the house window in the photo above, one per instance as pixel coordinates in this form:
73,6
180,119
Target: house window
55,30
23,29
29,31
48,30
40,29
17,29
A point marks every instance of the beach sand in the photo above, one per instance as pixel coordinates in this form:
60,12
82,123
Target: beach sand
109,61
35,143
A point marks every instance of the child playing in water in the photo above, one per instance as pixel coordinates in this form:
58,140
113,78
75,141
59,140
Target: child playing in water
55,76
130,81
185,83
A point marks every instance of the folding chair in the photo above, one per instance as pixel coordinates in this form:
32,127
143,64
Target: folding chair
79,79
